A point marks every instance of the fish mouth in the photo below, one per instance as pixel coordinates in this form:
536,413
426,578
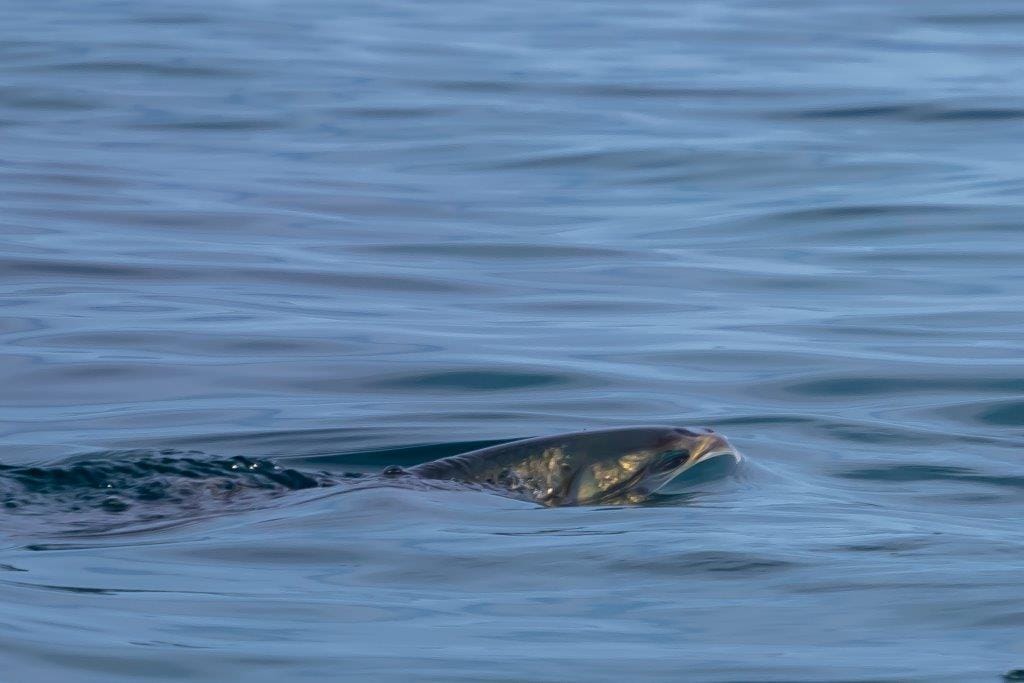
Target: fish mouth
644,482
712,446
709,447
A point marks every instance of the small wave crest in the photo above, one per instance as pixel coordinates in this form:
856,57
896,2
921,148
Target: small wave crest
84,491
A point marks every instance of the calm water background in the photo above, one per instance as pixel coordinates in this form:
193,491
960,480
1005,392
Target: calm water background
321,231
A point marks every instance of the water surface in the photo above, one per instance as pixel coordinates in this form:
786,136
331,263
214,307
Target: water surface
342,235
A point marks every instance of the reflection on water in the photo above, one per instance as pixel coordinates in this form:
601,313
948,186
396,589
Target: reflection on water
344,236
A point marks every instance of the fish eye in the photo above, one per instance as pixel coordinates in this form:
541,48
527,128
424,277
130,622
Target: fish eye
673,459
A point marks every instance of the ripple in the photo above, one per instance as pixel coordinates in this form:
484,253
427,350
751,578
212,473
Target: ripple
216,125
871,386
1000,19
1006,413
472,380
915,473
499,252
172,19
158,69
922,113
41,99
343,238
731,564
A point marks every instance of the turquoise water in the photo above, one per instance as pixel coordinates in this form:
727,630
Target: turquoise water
345,235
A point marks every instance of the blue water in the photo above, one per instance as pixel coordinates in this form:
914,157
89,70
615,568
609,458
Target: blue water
342,235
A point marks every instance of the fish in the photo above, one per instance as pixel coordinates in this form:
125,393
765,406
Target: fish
623,466
596,467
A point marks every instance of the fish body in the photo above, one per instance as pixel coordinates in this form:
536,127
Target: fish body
598,467
607,466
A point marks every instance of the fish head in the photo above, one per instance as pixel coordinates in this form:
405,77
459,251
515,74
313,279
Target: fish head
631,475
682,449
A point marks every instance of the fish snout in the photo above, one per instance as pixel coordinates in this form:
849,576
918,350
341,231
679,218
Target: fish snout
711,445
701,442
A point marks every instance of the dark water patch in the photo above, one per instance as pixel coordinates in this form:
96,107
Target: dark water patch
127,380
397,113
590,305
214,125
654,90
647,167
572,531
736,565
607,159
95,179
15,267
11,325
889,546
614,90
872,386
917,113
1004,413
472,380
39,99
169,19
834,214
911,257
71,589
855,225
283,555
157,69
498,87
185,220
996,18
879,435
66,546
359,281
994,414
921,473
859,112
968,500
975,114
497,251
124,666
28,267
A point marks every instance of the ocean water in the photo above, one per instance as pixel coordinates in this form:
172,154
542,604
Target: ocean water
343,235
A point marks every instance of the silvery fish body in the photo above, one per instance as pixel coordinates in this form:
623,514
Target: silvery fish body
607,466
